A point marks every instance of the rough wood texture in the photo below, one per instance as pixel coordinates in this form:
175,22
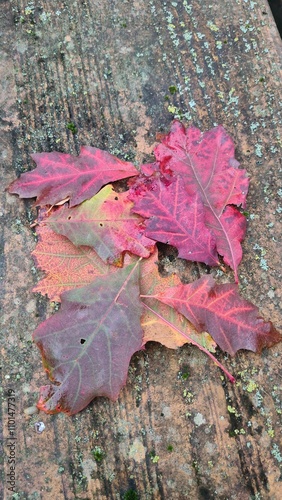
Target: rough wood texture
110,68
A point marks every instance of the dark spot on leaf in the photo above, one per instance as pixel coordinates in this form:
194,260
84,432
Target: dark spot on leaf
82,341
116,198
101,225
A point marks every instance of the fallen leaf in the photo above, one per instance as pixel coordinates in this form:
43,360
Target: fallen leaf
162,323
206,164
175,218
218,309
105,223
87,346
228,230
186,198
60,176
66,266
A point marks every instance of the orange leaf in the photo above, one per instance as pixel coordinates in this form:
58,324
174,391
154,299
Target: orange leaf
164,326
66,265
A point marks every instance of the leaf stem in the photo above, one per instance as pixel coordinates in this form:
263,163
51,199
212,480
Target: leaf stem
127,279
230,377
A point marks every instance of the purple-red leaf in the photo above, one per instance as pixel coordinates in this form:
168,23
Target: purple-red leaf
105,223
228,230
87,346
59,176
218,309
208,168
175,218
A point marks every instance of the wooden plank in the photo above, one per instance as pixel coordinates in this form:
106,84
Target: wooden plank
107,68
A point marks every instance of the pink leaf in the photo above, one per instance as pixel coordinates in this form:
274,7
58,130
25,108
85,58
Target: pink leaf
175,218
59,176
207,166
218,309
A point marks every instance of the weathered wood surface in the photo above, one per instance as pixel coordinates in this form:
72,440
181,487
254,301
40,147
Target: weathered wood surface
107,67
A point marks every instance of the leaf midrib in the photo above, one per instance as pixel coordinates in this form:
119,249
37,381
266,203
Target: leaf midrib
208,203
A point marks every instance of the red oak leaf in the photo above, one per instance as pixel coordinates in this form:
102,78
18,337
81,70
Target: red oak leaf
206,164
105,223
164,324
175,218
87,346
218,309
60,176
66,265
187,198
160,322
228,230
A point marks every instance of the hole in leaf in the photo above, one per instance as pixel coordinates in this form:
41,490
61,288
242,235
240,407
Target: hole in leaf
82,341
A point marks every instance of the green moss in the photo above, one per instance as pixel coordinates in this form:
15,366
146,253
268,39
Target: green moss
170,448
172,89
131,495
71,126
98,454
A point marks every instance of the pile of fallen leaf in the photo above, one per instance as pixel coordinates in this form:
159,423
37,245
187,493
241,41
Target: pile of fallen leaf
98,249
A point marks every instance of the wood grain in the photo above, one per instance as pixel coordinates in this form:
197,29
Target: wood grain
119,72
